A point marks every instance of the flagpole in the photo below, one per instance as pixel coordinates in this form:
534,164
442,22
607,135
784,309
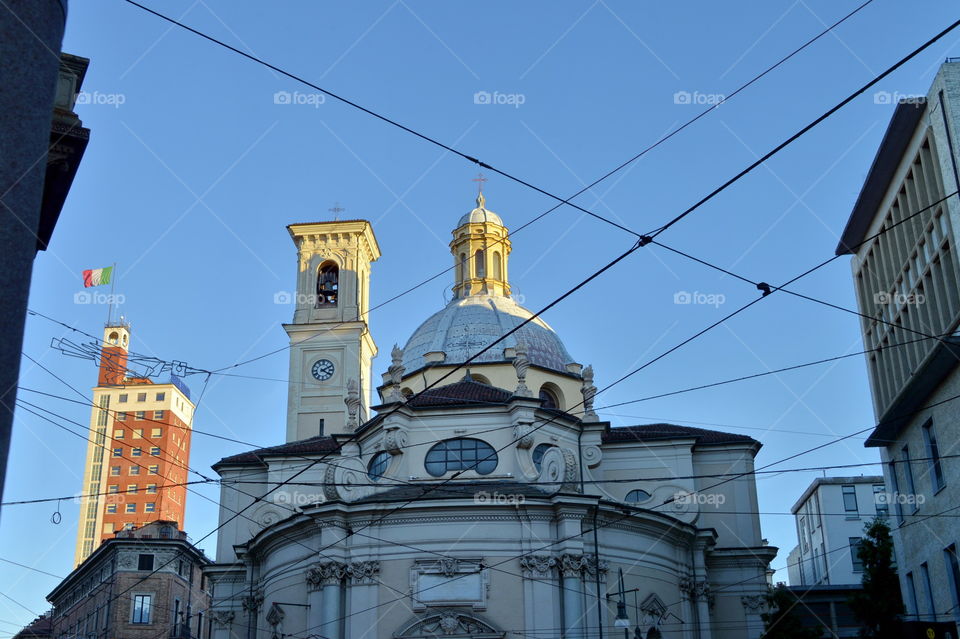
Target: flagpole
113,283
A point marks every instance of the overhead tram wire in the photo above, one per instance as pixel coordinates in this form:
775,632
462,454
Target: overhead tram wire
431,140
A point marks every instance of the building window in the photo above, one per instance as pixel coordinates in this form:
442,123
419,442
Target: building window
113,488
538,454
805,548
933,453
953,571
138,433
895,484
161,397
122,417
158,414
123,398
141,604
136,452
912,596
130,508
854,553
928,586
132,489
150,507
145,562
156,432
328,284
141,397
378,465
880,500
118,452
908,473
153,469
461,454
115,470
479,264
151,489
141,415
637,496
111,509
134,470
155,451
850,502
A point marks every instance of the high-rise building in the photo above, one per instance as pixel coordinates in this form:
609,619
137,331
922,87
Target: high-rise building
138,450
903,235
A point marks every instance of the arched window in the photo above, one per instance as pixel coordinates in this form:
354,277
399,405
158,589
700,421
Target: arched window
406,392
637,496
461,454
497,266
549,398
378,465
479,264
481,379
328,283
538,454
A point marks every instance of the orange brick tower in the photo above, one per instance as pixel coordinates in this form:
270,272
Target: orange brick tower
139,448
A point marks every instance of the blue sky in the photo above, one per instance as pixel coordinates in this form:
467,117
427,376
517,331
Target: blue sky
193,171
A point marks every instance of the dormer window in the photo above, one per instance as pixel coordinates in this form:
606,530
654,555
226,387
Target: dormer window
328,284
461,454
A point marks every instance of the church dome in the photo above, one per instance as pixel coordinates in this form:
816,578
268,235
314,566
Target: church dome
480,214
469,324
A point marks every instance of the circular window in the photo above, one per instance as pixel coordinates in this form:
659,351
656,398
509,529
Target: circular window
461,454
378,465
538,454
637,496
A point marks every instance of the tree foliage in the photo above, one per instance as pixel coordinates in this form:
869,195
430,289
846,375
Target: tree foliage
783,619
879,607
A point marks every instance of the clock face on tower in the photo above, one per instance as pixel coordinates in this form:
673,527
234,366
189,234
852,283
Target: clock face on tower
322,369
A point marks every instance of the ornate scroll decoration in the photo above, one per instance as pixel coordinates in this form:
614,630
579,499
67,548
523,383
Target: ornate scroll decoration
754,603
581,565
363,572
251,602
223,617
449,622
592,456
352,400
324,574
559,471
395,440
395,371
449,567
346,479
521,363
697,590
538,566
522,433
588,390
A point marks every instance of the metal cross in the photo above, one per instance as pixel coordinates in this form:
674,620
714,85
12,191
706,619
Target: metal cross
479,180
336,210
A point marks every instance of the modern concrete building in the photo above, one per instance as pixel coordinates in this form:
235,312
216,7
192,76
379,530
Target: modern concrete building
908,286
138,450
830,516
142,583
494,503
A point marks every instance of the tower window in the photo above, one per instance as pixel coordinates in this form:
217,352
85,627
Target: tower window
461,454
328,284
480,266
497,266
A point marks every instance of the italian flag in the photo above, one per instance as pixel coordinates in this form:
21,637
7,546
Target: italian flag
97,276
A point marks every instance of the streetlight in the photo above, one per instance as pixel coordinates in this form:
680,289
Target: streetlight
622,620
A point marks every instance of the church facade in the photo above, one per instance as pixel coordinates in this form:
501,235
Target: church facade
482,495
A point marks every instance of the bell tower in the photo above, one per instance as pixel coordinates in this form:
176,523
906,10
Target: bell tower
330,344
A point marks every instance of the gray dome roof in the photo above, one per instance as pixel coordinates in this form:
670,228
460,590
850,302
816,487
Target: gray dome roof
471,323
480,214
